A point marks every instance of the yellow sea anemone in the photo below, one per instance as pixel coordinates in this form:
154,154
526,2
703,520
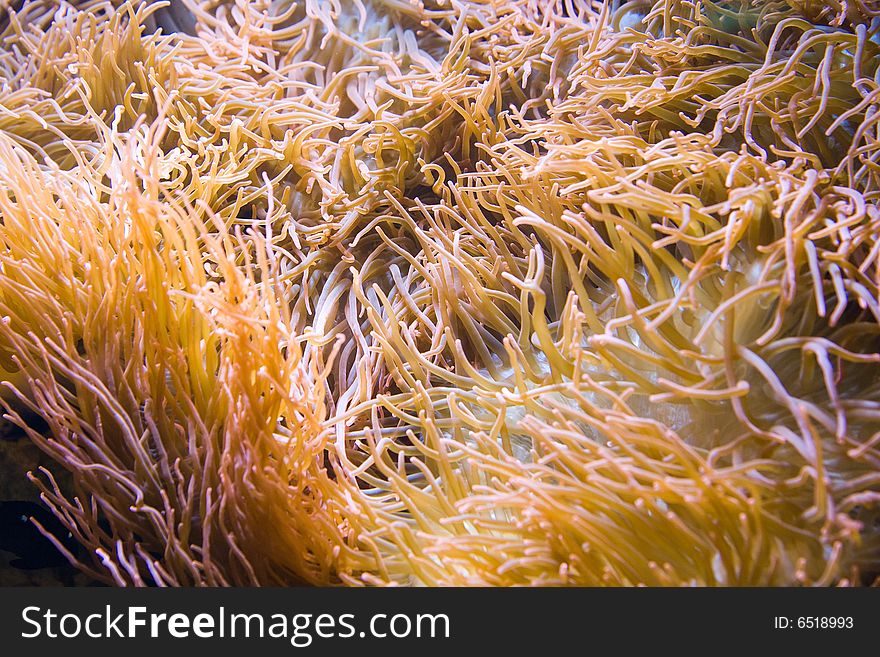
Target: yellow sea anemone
448,292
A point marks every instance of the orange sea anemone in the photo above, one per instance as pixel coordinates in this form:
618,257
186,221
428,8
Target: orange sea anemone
447,292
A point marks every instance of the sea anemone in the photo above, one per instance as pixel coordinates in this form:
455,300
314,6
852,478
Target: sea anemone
447,292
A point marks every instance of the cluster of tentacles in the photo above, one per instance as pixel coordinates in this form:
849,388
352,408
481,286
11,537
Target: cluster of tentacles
448,291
